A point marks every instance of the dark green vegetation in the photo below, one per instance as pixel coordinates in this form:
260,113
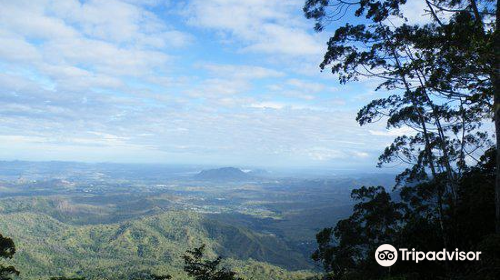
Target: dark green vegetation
201,269
195,265
48,247
411,223
7,251
441,79
94,222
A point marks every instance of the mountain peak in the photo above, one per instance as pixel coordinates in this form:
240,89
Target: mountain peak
224,173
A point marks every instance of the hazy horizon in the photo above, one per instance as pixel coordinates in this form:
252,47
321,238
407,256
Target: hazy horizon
316,172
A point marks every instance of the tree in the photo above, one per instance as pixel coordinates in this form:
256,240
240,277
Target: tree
467,49
440,76
443,83
149,276
346,251
447,71
7,251
376,219
202,269
67,278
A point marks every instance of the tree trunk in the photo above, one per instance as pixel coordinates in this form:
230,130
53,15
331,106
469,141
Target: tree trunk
497,183
496,108
427,148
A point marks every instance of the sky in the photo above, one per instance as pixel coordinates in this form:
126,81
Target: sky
220,82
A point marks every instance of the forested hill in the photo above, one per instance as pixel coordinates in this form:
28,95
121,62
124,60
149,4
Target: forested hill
48,247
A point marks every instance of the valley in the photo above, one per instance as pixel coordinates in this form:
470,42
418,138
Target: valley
98,221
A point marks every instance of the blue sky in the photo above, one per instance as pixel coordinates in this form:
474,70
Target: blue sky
222,82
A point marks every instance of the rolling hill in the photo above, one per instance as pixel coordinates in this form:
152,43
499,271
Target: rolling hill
48,247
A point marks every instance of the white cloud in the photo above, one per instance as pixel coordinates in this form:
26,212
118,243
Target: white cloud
298,89
361,154
270,105
323,154
14,16
16,49
241,71
306,86
417,12
264,26
217,87
393,132
66,35
129,23
78,84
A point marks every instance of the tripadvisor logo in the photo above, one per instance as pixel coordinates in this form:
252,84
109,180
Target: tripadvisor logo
386,255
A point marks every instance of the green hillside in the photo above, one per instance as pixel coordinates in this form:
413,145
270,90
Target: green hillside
48,247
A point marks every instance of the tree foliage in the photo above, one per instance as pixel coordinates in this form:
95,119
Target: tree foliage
347,251
440,79
375,220
443,76
200,268
67,278
7,251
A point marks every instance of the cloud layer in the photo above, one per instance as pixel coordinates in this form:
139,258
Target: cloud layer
213,82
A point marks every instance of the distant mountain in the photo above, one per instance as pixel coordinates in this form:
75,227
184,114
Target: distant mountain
259,173
225,173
